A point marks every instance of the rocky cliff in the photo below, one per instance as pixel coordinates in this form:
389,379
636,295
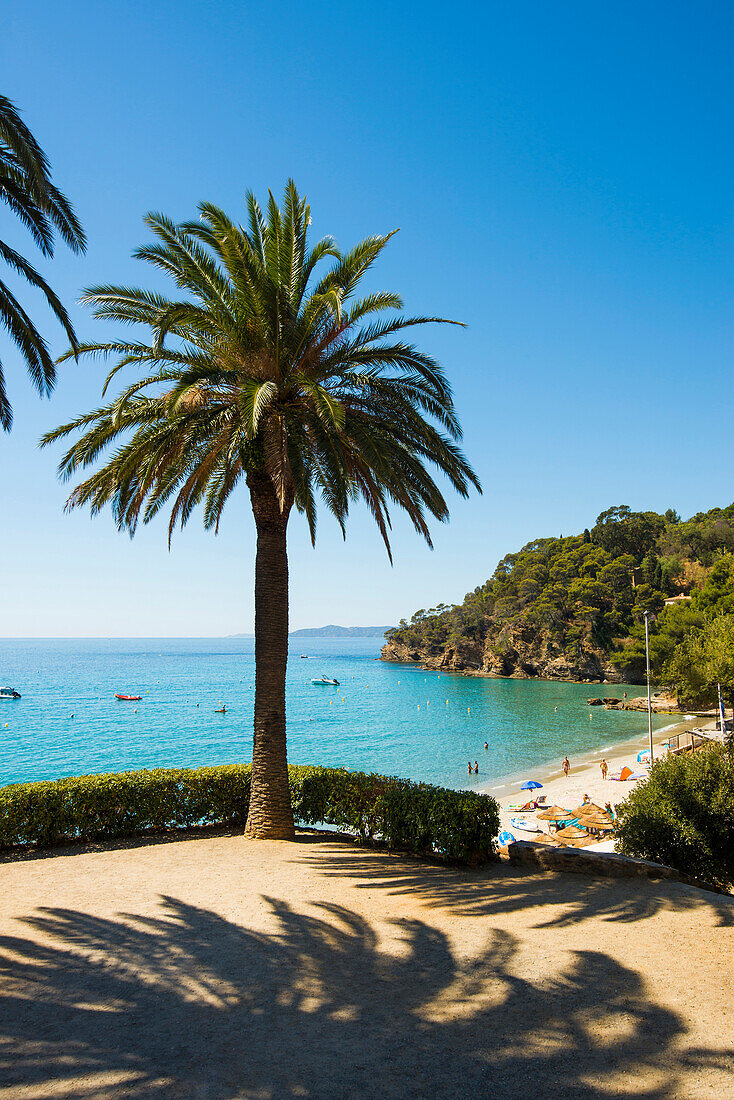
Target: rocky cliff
522,653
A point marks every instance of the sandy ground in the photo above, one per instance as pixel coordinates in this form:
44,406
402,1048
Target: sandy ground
218,968
584,777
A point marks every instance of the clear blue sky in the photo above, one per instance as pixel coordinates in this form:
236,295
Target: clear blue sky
562,177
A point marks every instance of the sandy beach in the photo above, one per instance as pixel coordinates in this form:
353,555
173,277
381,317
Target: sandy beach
584,776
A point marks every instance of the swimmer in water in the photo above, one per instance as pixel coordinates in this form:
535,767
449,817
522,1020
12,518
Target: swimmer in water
486,744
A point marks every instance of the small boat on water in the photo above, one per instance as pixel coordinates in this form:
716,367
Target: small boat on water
9,693
326,680
129,698
304,656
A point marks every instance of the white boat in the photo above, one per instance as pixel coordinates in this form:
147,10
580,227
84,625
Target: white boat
9,693
326,680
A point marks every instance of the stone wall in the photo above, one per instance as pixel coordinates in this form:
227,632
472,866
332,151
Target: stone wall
582,861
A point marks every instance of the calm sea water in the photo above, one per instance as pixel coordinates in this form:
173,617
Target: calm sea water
393,719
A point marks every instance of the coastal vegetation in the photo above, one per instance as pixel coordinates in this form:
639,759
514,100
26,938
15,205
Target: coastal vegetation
574,607
263,373
413,817
683,815
27,190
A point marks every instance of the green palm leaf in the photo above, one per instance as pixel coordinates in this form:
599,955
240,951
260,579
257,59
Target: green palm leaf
27,190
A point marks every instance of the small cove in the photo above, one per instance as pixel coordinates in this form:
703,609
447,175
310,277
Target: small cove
383,717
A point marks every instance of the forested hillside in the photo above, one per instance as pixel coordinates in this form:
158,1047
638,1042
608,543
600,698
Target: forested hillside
573,607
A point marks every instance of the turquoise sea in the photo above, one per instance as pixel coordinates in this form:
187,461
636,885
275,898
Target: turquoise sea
394,719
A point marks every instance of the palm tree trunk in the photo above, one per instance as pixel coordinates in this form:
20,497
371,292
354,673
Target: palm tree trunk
270,815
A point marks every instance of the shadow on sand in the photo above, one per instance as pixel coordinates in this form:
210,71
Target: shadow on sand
189,1005
499,888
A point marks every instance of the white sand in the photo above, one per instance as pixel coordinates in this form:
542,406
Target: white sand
584,778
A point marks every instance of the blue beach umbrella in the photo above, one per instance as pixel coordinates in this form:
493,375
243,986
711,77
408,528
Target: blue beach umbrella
530,785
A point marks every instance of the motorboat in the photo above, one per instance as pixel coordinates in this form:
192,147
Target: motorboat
304,656
326,680
524,826
129,698
9,693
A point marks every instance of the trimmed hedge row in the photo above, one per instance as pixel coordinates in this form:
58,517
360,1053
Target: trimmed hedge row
414,817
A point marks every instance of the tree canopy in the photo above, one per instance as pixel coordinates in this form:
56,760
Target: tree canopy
592,589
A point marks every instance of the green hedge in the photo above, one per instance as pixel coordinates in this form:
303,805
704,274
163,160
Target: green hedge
415,817
683,815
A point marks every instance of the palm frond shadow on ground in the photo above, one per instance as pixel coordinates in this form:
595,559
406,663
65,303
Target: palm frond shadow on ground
190,1005
498,888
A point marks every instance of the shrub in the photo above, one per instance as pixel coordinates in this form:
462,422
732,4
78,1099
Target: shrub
683,815
414,817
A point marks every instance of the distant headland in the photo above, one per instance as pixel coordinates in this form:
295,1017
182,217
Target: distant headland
574,608
333,631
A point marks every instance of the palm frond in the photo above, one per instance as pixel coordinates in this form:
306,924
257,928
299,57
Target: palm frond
261,368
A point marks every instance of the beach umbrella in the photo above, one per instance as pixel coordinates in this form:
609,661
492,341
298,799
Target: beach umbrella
600,817
581,842
587,808
554,813
571,832
530,785
546,838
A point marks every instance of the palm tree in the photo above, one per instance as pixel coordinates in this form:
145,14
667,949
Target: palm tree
26,187
261,372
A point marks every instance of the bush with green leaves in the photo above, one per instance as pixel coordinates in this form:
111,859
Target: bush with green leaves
683,816
702,661
457,825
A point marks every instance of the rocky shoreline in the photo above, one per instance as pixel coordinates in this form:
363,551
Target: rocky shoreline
525,658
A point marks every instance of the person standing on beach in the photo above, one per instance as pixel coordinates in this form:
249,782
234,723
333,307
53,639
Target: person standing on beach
604,769
566,766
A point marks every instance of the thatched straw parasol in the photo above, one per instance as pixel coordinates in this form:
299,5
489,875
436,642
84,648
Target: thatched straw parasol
554,813
594,818
582,842
588,808
571,832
